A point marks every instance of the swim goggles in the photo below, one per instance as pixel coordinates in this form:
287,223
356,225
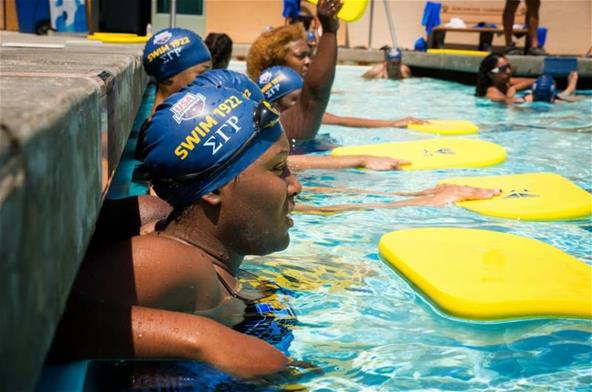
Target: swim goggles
503,68
265,117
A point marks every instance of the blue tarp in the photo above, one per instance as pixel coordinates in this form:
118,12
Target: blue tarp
291,9
431,16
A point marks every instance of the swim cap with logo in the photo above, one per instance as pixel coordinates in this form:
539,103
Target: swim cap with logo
393,54
276,82
171,51
232,79
543,89
200,138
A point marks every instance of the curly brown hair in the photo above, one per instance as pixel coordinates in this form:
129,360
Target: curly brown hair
271,48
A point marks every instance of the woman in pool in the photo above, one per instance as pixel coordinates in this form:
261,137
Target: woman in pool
220,160
287,46
391,68
174,57
495,81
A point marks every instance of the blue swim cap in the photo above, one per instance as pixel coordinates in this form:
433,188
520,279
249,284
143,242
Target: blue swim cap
171,51
200,138
232,79
275,82
393,54
543,89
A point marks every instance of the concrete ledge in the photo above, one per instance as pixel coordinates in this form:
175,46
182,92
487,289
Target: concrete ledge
65,115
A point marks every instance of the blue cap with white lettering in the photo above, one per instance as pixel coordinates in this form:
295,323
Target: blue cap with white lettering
200,138
276,82
232,79
171,51
543,89
393,54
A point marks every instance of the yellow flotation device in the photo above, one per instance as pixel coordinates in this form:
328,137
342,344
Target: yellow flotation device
530,196
440,153
446,127
119,38
459,52
487,275
351,11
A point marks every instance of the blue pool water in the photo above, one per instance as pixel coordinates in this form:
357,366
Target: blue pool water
361,323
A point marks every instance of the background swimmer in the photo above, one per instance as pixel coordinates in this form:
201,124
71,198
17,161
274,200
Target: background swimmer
495,81
391,68
287,46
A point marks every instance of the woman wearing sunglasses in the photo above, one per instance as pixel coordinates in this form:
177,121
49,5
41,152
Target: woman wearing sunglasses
495,81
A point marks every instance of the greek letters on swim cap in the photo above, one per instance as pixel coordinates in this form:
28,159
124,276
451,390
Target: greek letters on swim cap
198,128
232,79
276,82
171,51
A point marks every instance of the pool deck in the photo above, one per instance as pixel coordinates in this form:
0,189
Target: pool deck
66,109
67,106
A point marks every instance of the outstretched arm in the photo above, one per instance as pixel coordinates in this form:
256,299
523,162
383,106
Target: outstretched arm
358,122
303,120
303,162
437,196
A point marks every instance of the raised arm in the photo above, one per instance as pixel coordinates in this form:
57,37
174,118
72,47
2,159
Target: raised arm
303,120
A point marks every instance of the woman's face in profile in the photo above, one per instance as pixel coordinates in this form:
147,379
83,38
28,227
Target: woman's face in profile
257,205
298,56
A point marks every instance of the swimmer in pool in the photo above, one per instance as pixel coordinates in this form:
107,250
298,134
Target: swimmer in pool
282,87
174,57
391,68
287,46
174,293
544,90
495,81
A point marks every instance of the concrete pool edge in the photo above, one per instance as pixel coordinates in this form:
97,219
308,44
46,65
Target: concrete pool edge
66,112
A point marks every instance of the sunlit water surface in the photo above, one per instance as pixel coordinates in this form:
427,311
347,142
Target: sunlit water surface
360,322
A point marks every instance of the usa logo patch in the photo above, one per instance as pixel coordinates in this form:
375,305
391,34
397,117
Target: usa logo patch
265,77
188,107
162,38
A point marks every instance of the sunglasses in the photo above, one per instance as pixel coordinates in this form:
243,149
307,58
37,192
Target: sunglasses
503,68
265,117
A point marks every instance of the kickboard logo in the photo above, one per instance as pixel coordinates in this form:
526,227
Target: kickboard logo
188,107
519,194
439,151
162,38
265,77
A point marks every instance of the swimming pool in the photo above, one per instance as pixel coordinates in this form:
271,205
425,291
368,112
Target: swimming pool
360,322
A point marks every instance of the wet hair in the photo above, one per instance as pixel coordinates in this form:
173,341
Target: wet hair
220,46
271,48
483,78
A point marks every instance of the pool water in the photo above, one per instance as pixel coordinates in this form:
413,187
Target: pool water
359,321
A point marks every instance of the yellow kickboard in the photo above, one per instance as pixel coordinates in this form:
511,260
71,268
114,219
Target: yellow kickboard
119,38
446,127
530,196
440,153
487,275
351,11
459,52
